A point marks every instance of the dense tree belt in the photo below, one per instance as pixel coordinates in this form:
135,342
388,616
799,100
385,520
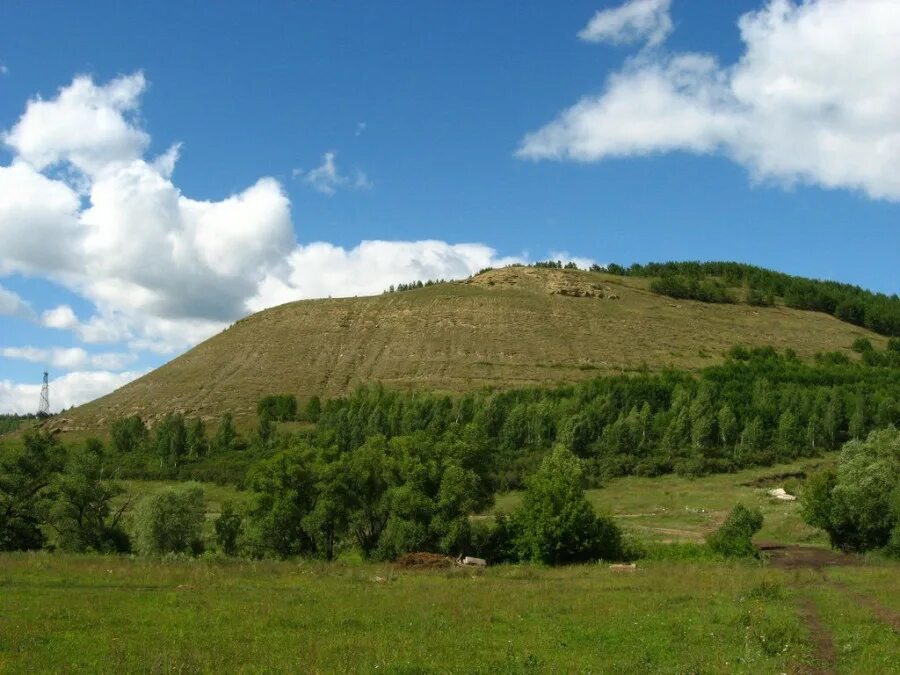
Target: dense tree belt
709,282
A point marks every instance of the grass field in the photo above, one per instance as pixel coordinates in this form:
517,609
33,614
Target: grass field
503,328
677,509
121,615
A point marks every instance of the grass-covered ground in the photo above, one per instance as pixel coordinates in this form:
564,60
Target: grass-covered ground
120,614
675,508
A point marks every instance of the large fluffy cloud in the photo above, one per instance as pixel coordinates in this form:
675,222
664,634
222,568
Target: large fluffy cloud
123,235
86,125
814,98
71,389
81,204
322,269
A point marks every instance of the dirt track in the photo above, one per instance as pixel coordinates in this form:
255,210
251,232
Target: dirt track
795,556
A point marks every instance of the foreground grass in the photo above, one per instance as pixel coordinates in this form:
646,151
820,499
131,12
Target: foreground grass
123,614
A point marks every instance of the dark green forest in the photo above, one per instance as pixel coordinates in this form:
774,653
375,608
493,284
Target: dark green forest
757,408
710,281
386,472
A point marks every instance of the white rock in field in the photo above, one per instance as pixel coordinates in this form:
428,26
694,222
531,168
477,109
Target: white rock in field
779,493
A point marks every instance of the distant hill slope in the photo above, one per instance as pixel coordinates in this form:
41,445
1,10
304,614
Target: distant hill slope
507,327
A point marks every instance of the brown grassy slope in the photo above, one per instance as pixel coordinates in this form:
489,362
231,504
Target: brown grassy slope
507,327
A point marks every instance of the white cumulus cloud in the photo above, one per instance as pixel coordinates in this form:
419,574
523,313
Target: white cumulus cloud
88,125
125,237
631,22
71,389
13,305
69,358
160,270
813,99
321,269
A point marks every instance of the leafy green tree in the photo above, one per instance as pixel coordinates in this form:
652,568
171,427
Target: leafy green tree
285,487
313,409
858,504
326,522
197,442
729,428
82,513
170,521
579,433
280,408
229,526
265,427
555,523
751,449
27,477
857,426
129,434
789,437
226,436
369,474
734,536
458,496
170,439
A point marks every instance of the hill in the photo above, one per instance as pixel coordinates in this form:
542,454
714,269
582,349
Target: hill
509,327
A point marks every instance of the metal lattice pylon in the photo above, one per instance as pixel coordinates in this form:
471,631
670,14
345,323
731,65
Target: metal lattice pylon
44,408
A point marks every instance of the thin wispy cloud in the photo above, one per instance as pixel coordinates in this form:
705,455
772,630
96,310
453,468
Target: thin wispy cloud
635,21
328,179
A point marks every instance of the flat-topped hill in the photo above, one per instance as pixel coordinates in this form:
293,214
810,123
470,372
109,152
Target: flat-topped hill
507,327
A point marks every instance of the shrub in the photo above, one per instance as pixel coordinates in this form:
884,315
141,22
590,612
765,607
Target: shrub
228,529
82,514
170,521
556,524
280,407
128,434
733,538
26,477
858,504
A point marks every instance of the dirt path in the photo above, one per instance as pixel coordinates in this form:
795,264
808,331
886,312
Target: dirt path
824,653
885,614
796,556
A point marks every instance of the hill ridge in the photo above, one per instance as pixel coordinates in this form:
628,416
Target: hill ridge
507,327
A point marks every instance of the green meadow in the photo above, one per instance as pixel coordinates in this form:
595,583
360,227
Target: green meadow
212,614
120,614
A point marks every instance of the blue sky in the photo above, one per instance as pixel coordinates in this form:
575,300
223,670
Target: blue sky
424,125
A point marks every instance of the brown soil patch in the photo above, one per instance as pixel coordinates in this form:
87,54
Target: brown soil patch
794,556
824,653
423,561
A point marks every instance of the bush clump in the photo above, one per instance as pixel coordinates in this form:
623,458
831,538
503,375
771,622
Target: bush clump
858,503
733,538
170,521
556,524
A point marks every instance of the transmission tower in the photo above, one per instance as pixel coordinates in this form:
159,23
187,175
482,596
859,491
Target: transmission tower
44,408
